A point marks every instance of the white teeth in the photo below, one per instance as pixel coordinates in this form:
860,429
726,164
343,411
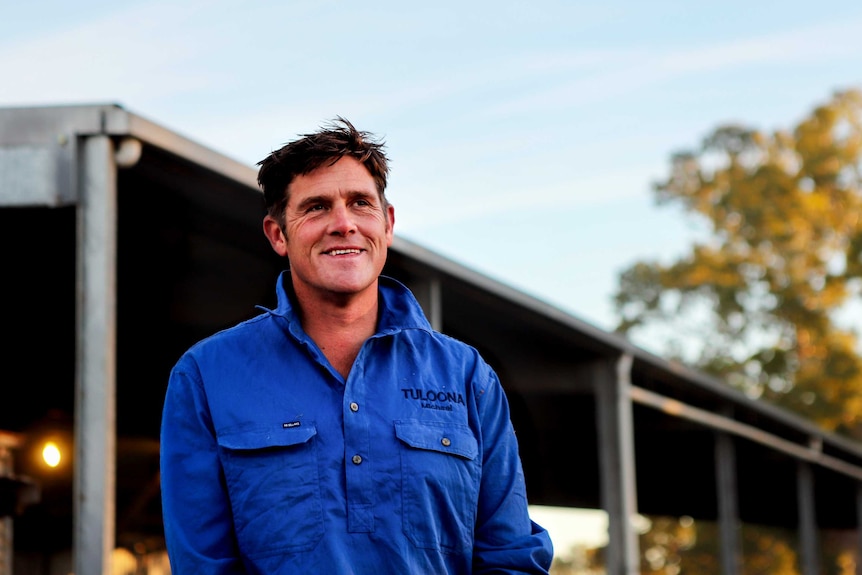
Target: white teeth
342,252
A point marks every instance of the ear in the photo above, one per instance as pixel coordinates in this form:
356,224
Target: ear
390,224
273,232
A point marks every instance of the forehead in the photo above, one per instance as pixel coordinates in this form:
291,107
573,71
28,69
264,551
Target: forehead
347,175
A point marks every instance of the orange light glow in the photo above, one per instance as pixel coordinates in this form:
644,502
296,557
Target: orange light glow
51,454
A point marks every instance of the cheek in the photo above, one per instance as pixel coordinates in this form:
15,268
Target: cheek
299,236
380,225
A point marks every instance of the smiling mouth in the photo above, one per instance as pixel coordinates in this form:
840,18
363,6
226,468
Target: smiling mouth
343,252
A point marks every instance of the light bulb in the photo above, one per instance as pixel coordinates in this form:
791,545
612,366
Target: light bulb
51,454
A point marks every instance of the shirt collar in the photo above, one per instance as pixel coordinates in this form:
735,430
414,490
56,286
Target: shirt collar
398,310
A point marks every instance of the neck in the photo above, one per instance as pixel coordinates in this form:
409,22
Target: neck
340,325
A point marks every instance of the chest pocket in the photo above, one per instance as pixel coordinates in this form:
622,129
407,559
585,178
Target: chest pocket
440,478
273,483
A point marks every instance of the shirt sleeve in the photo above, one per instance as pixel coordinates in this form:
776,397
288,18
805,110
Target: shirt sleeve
506,539
197,518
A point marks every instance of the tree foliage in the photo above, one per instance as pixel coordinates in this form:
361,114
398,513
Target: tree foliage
766,300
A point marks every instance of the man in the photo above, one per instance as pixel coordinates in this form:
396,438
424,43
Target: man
298,442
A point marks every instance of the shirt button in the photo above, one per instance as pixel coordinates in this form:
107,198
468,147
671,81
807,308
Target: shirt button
354,406
357,459
445,441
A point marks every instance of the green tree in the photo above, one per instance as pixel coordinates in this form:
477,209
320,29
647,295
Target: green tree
766,300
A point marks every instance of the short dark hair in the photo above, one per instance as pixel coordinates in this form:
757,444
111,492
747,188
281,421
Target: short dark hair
333,141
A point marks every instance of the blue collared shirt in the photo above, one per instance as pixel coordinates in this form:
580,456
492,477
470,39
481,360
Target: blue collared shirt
272,462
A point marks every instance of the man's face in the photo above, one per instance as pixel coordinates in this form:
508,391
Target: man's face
337,231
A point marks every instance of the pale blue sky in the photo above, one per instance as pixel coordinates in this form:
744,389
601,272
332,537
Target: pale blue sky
524,136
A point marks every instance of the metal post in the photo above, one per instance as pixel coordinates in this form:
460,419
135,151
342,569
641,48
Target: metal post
728,506
617,462
7,443
95,381
859,529
428,294
808,555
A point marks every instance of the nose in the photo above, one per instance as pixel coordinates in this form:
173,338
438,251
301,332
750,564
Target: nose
341,222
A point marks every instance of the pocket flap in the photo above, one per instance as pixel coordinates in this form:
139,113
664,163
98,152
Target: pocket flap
267,438
445,437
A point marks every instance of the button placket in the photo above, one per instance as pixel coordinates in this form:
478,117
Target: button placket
358,469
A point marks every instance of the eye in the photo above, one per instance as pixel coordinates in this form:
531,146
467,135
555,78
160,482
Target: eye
366,201
315,208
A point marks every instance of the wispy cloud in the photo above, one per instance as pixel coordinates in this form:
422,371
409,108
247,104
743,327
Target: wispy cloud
622,73
428,205
121,55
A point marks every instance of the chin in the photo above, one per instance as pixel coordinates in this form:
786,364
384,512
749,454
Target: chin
351,287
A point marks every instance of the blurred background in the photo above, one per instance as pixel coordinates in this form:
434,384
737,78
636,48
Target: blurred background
577,151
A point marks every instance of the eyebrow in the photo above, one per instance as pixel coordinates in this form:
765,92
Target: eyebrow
326,198
311,200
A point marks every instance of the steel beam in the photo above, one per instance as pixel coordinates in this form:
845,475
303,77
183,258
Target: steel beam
95,380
